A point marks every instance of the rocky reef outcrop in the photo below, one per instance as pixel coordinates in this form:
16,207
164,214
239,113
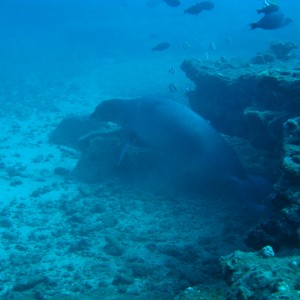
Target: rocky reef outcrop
280,51
246,100
261,275
260,104
98,146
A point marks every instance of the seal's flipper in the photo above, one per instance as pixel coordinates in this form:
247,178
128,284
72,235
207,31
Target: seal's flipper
129,139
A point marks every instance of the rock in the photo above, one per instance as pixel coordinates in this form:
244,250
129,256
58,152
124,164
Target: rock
113,247
225,91
61,171
187,254
141,270
291,147
260,105
250,276
109,221
282,50
122,280
99,161
98,208
70,129
80,245
263,58
267,251
277,233
24,284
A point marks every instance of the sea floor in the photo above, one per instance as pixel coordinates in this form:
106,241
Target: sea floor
64,239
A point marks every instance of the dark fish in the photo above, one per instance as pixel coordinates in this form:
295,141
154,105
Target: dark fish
268,9
199,7
271,21
161,46
172,3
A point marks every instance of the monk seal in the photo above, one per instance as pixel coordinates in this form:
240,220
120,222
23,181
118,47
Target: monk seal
187,139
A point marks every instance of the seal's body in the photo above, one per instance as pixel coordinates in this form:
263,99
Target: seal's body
175,130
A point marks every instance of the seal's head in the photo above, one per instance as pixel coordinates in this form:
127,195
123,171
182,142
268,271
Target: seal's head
103,111
118,111
112,110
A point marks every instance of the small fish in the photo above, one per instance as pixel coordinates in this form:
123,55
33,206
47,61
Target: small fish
185,45
172,3
272,21
172,70
173,88
228,41
199,7
161,46
212,46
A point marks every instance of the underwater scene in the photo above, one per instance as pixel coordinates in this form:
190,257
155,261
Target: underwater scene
150,149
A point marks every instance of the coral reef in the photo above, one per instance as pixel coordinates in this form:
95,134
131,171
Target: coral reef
281,51
260,105
283,229
258,276
70,129
234,93
291,147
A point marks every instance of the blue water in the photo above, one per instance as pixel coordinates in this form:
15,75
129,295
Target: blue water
66,239
45,28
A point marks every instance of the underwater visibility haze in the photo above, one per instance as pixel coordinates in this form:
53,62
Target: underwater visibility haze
150,149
